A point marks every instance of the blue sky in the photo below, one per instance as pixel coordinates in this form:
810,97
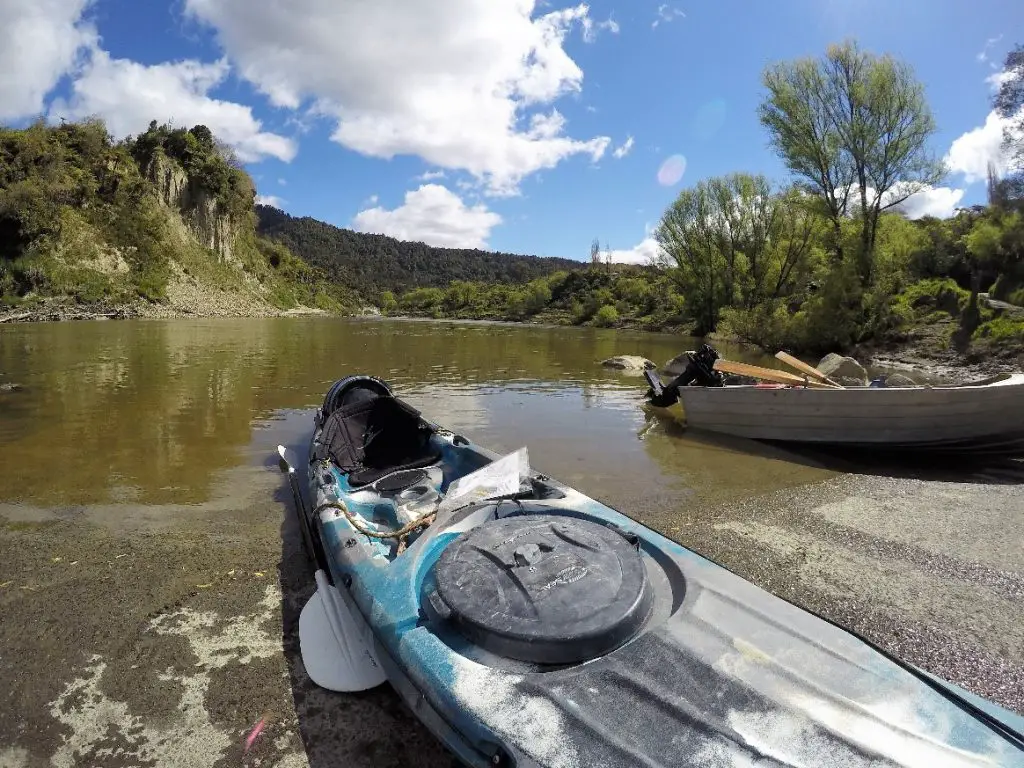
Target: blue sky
519,126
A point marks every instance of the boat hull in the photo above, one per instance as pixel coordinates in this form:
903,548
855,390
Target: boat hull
987,415
720,673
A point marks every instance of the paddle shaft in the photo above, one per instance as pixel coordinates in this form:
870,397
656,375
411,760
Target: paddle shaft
769,374
800,365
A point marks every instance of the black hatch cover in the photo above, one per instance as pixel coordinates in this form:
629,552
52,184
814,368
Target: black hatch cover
548,589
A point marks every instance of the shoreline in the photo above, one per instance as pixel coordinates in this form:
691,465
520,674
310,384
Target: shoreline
905,357
59,312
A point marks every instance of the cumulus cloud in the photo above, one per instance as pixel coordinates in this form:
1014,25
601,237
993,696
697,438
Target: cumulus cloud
430,176
453,82
434,215
940,202
272,200
128,95
971,153
624,149
646,252
40,42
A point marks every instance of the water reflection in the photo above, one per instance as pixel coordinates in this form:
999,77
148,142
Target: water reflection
153,412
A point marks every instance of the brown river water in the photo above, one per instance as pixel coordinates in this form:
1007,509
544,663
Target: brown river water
150,411
151,574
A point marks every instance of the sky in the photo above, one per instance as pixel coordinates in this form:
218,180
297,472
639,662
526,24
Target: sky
512,125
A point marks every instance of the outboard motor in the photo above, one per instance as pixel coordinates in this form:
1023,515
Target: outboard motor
700,371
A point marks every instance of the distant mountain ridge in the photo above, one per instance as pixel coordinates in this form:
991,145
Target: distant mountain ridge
374,263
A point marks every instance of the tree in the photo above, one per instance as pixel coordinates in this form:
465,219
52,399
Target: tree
595,252
855,127
722,236
1009,104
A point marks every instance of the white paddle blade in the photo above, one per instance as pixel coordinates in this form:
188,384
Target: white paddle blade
336,644
282,463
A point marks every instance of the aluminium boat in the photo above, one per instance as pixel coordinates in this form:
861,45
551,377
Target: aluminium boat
984,416
527,624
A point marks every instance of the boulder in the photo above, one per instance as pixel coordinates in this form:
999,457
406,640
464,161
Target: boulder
629,363
844,370
899,380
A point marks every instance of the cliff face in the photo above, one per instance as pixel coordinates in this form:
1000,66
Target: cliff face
162,222
198,208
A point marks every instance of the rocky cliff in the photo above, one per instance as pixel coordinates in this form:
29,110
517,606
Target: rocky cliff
162,224
207,219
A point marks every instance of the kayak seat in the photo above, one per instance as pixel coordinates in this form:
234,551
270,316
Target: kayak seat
370,438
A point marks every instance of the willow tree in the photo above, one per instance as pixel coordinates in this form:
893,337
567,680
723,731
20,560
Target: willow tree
1009,104
855,127
733,242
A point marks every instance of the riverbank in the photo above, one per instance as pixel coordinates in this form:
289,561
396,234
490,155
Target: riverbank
917,353
228,306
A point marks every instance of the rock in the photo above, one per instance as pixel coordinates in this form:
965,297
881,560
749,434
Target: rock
11,387
629,363
844,370
948,301
676,365
899,380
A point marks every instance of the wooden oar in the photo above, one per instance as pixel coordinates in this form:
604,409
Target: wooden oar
768,374
810,370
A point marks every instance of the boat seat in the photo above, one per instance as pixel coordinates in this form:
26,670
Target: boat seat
371,438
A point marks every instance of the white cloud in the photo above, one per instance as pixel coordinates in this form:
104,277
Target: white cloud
40,42
282,182
430,176
434,215
996,79
623,150
449,82
940,202
129,95
971,153
272,200
591,30
647,251
983,54
666,14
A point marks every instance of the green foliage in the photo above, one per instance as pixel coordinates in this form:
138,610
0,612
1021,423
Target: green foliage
606,316
577,297
855,127
388,302
736,242
373,263
81,220
1001,329
208,165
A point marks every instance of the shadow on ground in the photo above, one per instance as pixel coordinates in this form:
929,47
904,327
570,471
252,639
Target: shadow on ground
373,728
966,467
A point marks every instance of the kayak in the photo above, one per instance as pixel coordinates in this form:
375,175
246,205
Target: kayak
527,624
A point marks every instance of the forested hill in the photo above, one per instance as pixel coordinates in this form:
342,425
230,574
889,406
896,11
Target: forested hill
375,263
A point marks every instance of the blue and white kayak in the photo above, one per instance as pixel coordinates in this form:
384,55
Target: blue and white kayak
529,625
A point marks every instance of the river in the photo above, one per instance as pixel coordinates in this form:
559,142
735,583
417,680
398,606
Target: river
149,565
